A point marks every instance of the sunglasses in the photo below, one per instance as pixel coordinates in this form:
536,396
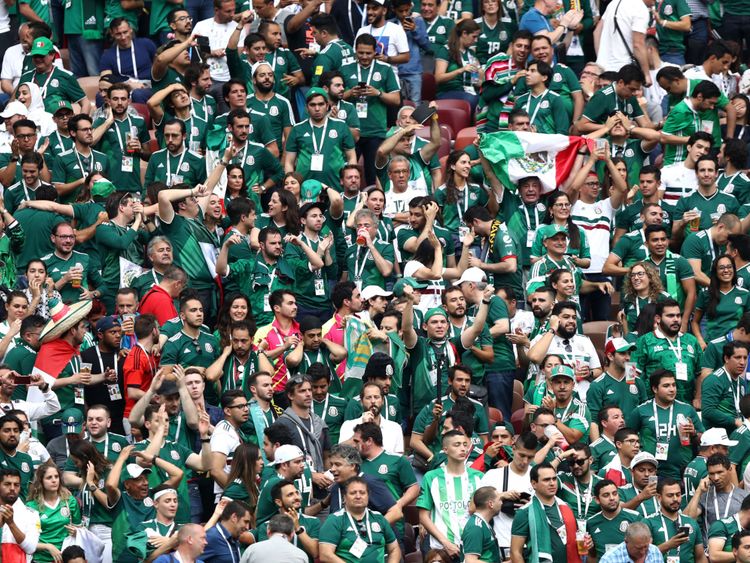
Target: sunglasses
198,349
578,462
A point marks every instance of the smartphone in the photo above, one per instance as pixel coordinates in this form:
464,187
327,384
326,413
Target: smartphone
362,85
409,19
203,43
19,379
524,496
683,531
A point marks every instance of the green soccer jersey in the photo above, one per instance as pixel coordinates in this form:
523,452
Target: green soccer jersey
729,309
279,112
629,219
187,351
522,221
57,267
739,455
113,143
38,242
501,246
129,516
347,112
700,246
406,233
663,528
21,359
725,529
193,247
266,508
463,80
58,144
257,279
582,251
603,450
470,196
720,395
646,508
564,82
710,207
372,111
504,358
606,100
282,62
334,56
331,410
578,496
632,306
737,184
546,111
204,108
684,120
342,530
424,419
521,527
53,521
478,538
492,40
186,167
695,471
673,268
73,166
438,30
606,390
361,267
608,533
575,416
312,287
178,455
446,498
258,165
117,244
320,149
655,351
634,156
41,9
394,470
17,193
669,39
658,425
546,265
22,463
58,84
146,281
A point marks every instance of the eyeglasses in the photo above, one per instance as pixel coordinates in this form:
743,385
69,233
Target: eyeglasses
725,267
591,184
25,136
637,274
568,347
243,406
563,205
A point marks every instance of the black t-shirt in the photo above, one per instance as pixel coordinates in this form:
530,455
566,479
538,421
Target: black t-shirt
99,394
300,39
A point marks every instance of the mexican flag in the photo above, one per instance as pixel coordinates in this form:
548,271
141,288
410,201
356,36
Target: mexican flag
519,154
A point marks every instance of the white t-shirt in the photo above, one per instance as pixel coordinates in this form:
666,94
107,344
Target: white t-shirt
391,38
13,64
218,36
678,181
597,220
632,16
516,482
393,434
224,440
396,202
577,350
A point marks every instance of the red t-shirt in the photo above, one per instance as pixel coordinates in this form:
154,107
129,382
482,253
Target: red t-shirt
158,302
138,371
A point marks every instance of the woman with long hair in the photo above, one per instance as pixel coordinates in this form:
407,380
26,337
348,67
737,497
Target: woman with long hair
642,286
495,33
16,309
58,511
558,213
741,105
212,217
40,288
244,476
283,213
722,304
457,70
236,307
540,388
92,469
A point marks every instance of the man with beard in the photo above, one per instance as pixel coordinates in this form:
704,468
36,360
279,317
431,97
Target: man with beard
10,456
371,397
175,164
179,21
614,387
667,348
318,147
668,526
124,137
32,167
288,465
287,72
562,339
607,528
572,415
133,506
657,423
198,82
66,265
332,82
266,101
609,420
179,105
381,370
313,348
576,487
70,170
159,252
722,390
22,522
514,485
423,211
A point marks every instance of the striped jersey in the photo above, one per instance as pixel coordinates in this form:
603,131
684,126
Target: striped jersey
598,220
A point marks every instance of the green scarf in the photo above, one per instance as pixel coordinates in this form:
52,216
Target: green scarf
91,29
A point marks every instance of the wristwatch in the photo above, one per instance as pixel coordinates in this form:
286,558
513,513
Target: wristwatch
300,530
91,488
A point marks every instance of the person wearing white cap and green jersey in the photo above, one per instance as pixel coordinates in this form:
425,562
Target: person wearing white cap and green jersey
55,83
713,441
289,464
619,385
640,493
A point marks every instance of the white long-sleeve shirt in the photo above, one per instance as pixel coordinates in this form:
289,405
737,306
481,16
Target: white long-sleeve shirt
36,410
27,521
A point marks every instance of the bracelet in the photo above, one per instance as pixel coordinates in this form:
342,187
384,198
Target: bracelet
205,440
486,301
223,163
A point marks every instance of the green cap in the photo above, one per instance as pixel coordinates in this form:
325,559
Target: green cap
316,91
102,189
435,311
548,231
42,46
398,288
53,105
563,371
72,421
310,190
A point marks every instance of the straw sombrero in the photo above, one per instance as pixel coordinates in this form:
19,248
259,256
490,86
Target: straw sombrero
63,317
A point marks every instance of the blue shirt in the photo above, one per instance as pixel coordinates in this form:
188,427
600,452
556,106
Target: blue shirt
219,544
620,555
381,498
416,39
534,21
145,51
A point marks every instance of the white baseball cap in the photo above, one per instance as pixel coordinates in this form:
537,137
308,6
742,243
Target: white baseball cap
14,108
287,452
716,437
472,274
371,291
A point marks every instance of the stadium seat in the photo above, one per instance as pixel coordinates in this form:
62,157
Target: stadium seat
142,110
495,415
463,105
517,421
428,86
411,514
465,137
454,118
90,86
414,557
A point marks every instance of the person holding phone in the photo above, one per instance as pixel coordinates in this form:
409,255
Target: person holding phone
676,534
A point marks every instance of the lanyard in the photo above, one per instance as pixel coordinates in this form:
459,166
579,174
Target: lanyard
80,162
325,404
666,533
132,58
361,14
738,395
538,105
229,545
676,350
367,525
236,368
106,444
101,361
359,269
318,149
179,425
205,106
726,508
466,191
669,421
369,76
120,140
565,412
43,89
587,499
528,218
429,27
179,165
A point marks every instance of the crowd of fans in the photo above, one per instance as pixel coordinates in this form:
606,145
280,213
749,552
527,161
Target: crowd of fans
270,293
